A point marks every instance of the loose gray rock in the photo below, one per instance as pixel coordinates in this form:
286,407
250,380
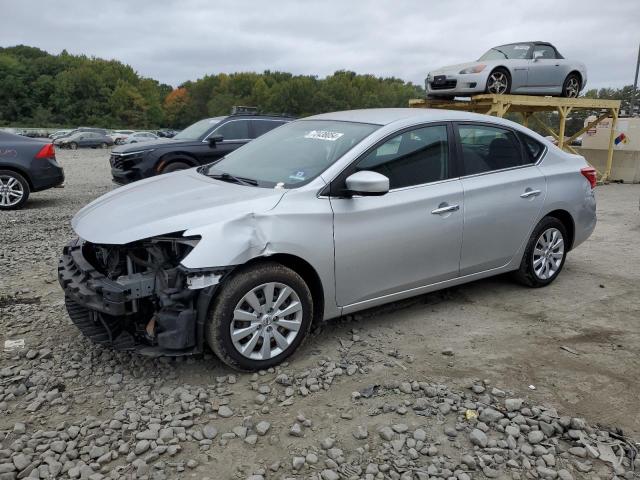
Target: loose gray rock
478,437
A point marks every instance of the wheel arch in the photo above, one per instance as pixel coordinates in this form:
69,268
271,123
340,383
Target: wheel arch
305,270
19,171
173,157
568,222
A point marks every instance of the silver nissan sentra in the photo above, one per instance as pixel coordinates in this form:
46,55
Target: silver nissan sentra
319,218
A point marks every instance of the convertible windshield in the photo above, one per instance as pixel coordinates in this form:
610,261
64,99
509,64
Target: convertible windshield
515,51
290,155
198,129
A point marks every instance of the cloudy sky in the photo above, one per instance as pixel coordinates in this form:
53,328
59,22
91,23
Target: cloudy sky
174,41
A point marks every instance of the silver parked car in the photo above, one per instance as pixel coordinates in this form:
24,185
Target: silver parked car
319,218
531,68
140,137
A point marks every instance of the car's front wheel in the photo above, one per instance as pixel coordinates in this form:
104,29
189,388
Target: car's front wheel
545,254
73,146
14,190
499,82
260,316
175,166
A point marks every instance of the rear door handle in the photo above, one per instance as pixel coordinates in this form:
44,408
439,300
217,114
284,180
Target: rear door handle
444,208
530,193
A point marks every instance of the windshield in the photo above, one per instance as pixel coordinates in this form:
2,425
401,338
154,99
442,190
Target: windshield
515,51
198,129
293,154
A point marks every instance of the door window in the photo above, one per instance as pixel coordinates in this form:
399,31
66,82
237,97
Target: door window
260,127
233,130
532,148
487,148
545,52
411,158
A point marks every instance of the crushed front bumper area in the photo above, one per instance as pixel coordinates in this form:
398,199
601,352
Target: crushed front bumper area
152,308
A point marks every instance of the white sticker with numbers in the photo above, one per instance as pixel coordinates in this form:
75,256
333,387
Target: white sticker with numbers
324,135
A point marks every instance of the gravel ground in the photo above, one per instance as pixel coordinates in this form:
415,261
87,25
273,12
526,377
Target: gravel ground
487,380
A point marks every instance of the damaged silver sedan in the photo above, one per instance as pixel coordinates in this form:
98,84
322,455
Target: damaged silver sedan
321,217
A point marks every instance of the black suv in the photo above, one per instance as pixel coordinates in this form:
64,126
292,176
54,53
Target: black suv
203,142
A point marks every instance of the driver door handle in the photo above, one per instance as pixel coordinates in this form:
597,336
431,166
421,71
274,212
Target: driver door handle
530,193
445,209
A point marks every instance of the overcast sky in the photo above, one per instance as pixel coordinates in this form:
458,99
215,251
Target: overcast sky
174,41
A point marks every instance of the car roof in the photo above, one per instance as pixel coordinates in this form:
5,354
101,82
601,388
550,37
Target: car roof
535,42
386,116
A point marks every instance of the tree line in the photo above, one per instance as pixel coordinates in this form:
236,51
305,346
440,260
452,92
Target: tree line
44,90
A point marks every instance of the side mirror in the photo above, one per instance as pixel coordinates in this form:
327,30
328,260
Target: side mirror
215,139
367,183
537,56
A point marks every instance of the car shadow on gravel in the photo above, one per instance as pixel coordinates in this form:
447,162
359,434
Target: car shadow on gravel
36,203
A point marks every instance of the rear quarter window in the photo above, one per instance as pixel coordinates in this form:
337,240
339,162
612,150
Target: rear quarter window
533,149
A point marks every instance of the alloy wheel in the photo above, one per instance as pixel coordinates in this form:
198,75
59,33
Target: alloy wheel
572,88
498,83
11,191
266,321
548,254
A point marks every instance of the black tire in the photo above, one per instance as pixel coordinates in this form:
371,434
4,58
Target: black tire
104,145
221,312
526,274
506,79
571,86
11,176
175,166
73,146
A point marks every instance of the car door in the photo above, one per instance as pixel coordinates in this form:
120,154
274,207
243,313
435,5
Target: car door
409,237
544,68
235,133
503,194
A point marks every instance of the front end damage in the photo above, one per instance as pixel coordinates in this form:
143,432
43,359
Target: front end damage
138,296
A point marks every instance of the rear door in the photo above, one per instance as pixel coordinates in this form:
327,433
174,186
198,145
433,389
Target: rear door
409,237
503,194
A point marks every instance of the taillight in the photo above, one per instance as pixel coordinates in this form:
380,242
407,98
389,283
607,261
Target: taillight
591,175
48,151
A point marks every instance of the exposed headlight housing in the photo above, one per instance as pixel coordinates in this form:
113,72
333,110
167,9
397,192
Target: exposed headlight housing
474,69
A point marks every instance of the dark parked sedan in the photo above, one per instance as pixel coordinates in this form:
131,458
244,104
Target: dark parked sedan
85,139
26,165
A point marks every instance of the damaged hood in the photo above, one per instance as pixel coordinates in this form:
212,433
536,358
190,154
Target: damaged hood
168,203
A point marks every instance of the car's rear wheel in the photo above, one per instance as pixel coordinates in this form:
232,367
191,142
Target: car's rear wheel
545,254
104,145
259,316
571,86
14,190
73,146
499,82
175,166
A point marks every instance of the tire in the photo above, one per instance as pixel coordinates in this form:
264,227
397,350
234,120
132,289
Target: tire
499,82
571,86
14,190
231,298
531,273
103,145
175,166
73,146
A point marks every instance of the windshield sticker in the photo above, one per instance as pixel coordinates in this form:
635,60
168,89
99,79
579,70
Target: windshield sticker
324,135
521,47
298,176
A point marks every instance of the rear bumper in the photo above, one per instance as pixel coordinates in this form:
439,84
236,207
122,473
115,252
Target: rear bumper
47,174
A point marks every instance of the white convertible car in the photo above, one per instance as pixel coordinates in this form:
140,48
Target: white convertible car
531,68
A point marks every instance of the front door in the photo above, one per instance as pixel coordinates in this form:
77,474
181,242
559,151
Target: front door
503,194
544,68
409,237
